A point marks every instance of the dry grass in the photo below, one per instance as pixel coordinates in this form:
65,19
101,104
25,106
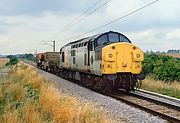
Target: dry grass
3,61
88,114
27,97
170,89
65,109
10,117
16,89
31,113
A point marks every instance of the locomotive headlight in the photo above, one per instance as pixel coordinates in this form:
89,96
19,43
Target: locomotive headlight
110,55
138,55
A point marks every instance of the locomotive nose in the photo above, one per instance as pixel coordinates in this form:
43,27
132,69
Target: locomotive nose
122,58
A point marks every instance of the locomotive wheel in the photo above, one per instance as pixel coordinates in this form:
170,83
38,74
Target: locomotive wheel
98,83
83,79
90,81
108,86
51,70
46,69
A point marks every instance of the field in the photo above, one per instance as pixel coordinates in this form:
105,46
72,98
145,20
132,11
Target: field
28,97
3,61
175,55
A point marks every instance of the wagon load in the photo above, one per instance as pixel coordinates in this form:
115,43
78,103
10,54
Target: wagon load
49,60
52,58
39,59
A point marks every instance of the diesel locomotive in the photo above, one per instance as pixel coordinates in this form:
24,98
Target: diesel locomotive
107,61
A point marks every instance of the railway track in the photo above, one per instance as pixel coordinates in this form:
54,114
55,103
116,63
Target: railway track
155,107
163,97
164,110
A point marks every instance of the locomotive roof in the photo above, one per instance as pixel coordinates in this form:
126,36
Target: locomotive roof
85,39
92,38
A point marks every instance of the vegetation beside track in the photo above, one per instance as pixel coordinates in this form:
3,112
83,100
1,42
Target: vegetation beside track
26,97
13,60
162,75
161,67
29,57
161,87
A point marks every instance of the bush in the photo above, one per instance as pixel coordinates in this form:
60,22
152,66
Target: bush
30,57
13,61
162,67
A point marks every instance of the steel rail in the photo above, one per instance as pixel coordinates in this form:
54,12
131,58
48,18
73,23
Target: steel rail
172,99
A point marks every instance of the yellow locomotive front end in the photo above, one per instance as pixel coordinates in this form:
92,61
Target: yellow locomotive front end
122,63
122,58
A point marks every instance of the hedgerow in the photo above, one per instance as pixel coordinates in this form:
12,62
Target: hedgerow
162,67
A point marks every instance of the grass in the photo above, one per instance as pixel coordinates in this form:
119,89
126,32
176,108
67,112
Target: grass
26,97
170,89
3,61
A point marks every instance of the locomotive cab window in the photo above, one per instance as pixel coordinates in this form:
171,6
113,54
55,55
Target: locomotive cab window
124,39
102,40
113,37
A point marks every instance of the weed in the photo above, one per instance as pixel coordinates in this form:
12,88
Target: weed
170,89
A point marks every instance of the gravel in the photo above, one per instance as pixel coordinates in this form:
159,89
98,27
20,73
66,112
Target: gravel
116,110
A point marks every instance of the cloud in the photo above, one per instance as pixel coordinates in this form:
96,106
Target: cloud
3,40
162,14
35,7
24,23
175,34
156,39
26,32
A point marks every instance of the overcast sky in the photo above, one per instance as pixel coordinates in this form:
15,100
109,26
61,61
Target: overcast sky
25,23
